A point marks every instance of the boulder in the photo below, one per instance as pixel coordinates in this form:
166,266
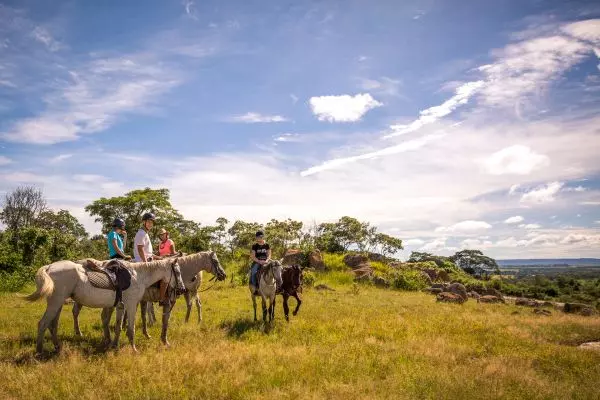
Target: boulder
522,301
425,276
490,299
433,290
587,312
315,260
293,257
448,297
457,288
443,276
381,282
575,308
473,294
432,273
493,292
540,311
376,257
362,271
324,287
355,260
438,285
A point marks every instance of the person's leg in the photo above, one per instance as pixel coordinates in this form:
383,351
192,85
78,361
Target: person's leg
253,272
163,291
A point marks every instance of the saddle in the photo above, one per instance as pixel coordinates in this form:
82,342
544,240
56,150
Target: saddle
114,275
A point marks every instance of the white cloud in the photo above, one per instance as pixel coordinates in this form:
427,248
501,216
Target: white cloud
400,148
189,7
542,194
516,160
344,108
530,226
436,245
93,99
413,242
253,118
588,30
465,227
575,189
475,244
5,160
514,220
384,86
60,157
513,189
432,114
43,36
287,137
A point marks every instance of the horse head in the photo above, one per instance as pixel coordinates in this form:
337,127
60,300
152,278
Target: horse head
216,268
176,271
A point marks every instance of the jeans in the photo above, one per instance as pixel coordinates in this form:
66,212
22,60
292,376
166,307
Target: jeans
253,270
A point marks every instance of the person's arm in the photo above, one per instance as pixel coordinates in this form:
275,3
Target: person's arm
172,247
140,248
117,248
268,253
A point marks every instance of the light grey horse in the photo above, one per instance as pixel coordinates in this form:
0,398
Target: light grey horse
267,288
63,279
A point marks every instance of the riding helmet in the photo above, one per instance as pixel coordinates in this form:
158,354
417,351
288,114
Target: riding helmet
118,223
148,217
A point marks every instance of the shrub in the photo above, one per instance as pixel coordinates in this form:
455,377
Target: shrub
409,280
308,278
334,262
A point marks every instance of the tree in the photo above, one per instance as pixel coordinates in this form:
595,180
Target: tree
242,235
343,234
133,205
386,245
474,262
21,208
61,221
282,234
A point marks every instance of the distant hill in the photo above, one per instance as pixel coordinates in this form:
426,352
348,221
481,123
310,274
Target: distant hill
551,261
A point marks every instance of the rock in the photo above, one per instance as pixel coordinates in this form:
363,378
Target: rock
515,313
381,282
293,257
355,260
448,297
432,273
323,287
590,346
376,257
363,270
434,290
522,301
574,308
315,260
587,312
473,294
457,288
493,292
396,264
443,276
438,285
540,311
426,277
490,299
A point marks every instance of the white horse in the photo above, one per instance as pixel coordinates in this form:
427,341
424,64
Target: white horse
63,279
191,273
270,279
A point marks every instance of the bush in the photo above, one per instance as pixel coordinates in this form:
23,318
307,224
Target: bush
334,262
15,281
308,278
411,280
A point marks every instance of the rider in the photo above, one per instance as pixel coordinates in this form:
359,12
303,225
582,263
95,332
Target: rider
142,249
261,254
166,247
115,241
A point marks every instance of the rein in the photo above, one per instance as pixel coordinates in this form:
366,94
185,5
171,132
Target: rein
214,272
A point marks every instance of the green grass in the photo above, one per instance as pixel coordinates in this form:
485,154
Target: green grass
334,262
346,344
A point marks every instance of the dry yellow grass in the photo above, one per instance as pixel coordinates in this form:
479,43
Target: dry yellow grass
371,344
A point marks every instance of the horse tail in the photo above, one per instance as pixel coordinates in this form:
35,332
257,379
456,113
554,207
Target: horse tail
44,285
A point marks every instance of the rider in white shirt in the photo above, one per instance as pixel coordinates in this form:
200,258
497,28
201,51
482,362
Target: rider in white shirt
142,249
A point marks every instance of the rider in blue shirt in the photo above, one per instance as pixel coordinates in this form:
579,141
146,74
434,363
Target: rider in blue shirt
115,242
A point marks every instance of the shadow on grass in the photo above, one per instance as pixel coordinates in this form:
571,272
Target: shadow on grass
238,327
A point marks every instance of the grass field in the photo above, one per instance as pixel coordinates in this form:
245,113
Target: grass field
344,344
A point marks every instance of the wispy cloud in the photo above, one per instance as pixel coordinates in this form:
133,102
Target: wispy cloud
432,114
59,158
343,108
190,8
254,118
383,86
400,148
530,226
42,35
465,227
5,160
542,194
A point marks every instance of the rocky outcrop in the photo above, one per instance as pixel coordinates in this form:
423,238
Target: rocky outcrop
443,276
293,257
315,260
540,311
578,308
490,299
363,271
457,288
381,282
355,260
522,301
448,297
324,287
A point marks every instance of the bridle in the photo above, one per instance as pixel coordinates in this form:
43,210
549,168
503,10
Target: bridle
214,270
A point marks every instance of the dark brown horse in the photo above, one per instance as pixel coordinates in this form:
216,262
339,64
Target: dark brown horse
291,286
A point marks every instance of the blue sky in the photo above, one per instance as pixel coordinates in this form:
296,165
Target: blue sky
450,124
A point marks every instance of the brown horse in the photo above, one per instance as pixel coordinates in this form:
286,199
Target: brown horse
292,286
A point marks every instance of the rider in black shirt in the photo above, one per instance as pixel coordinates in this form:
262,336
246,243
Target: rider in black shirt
261,253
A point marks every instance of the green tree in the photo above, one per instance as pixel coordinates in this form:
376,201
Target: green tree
340,236
20,209
242,235
475,262
386,245
283,234
61,221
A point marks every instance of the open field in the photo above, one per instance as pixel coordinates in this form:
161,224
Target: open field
361,343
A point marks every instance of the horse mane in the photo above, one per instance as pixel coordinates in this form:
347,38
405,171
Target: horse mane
204,256
151,266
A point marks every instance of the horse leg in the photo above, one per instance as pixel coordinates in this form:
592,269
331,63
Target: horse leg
131,310
286,308
106,314
76,310
264,307
254,304
273,300
151,315
54,330
143,306
298,302
165,324
199,307
53,307
188,303
118,326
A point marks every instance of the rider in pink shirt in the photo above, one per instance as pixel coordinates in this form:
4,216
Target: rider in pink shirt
166,246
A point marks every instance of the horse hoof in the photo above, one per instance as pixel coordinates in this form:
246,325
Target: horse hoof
295,313
147,336
287,318
133,348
